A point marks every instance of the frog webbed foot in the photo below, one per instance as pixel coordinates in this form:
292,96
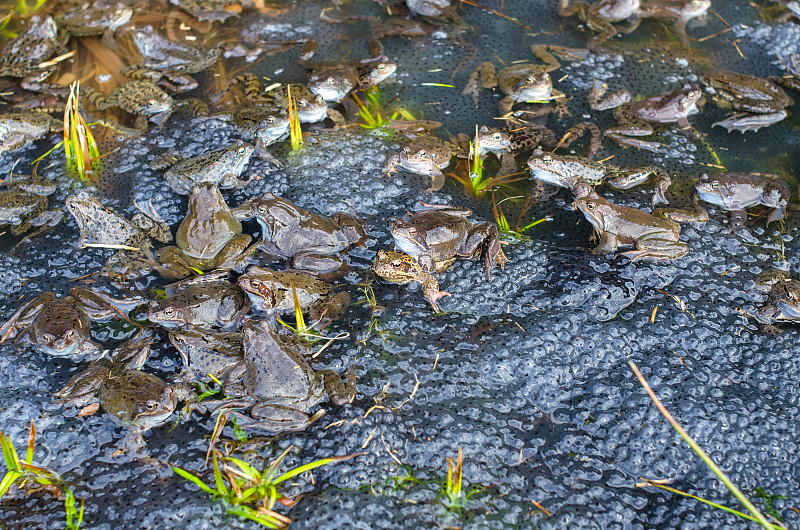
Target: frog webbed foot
484,76
430,289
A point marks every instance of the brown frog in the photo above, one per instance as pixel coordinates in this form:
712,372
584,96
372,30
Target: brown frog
759,101
206,354
23,56
23,205
436,238
209,237
602,16
783,301
426,155
20,130
654,237
736,192
397,267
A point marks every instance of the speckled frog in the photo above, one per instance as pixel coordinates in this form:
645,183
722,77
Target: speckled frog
759,101
86,20
23,205
314,243
22,56
221,167
208,238
396,267
204,301
426,155
736,192
655,238
61,327
206,354
277,385
20,130
783,302
273,292
438,237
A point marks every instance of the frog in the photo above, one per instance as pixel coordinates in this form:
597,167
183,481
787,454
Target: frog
23,205
655,238
208,238
580,174
522,82
311,108
273,292
221,167
61,327
143,99
266,125
213,10
101,225
206,355
792,80
425,155
87,20
334,80
133,398
783,300
397,267
602,16
19,130
509,140
679,12
636,118
23,55
311,242
169,63
736,192
760,102
435,238
204,301
276,385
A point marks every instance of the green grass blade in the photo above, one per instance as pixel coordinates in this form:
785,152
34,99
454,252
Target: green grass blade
31,444
194,479
8,481
246,468
9,453
218,476
699,452
249,513
313,465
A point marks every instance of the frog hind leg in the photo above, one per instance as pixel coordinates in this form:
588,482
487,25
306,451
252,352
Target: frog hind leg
140,73
485,233
658,249
177,84
751,122
430,289
437,180
627,133
275,419
24,316
578,130
331,310
484,76
339,392
237,252
608,244
738,218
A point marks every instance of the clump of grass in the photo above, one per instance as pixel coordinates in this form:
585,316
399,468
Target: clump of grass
295,133
24,9
249,493
80,147
474,180
32,479
372,110
756,516
504,226
452,494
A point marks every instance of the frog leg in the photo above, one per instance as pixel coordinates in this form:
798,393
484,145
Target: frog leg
621,134
331,310
24,316
542,52
576,131
199,107
599,101
700,215
237,252
34,84
336,117
390,164
273,418
485,233
484,76
101,306
567,8
792,83
430,288
121,129
339,392
751,122
81,388
605,30
657,248
231,181
328,266
141,73
151,223
262,152
178,83
437,180
608,243
738,218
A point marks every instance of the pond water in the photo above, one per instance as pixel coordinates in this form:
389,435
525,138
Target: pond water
526,372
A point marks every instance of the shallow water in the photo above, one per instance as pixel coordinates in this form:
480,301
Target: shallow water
527,372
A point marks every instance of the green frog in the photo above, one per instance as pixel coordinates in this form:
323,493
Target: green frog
425,155
273,292
736,192
19,130
312,242
133,398
101,225
654,237
277,385
221,167
783,301
208,238
206,354
333,81
23,55
61,327
202,301
602,16
24,205
759,101
212,10
436,238
87,20
636,118
580,174
522,82
397,267
168,63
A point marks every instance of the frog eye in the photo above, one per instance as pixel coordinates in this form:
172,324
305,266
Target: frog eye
496,137
412,231
591,205
302,103
270,119
547,77
397,264
255,283
262,209
242,150
15,219
715,184
48,337
547,159
148,406
421,152
529,79
71,333
169,312
330,81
